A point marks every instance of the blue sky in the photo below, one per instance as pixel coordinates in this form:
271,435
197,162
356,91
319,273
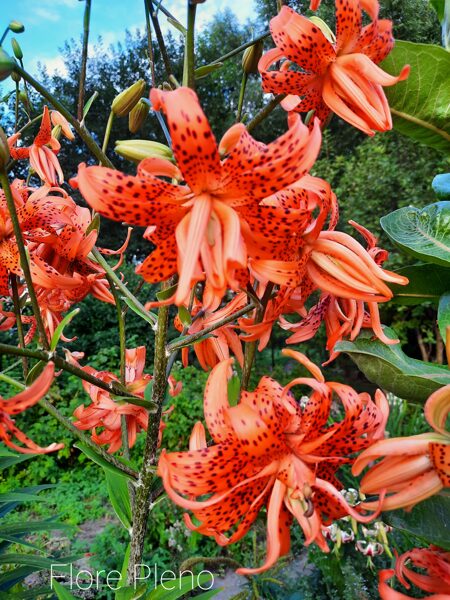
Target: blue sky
48,23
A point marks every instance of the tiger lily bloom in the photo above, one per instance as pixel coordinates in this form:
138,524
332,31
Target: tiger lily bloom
41,153
268,451
105,413
341,76
412,468
17,404
196,223
216,348
436,580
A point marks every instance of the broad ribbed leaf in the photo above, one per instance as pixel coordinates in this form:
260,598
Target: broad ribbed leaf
423,233
441,186
444,314
420,106
428,520
391,369
427,283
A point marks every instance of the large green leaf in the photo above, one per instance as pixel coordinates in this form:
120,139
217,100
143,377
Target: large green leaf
426,283
423,233
420,106
444,314
441,186
390,368
428,520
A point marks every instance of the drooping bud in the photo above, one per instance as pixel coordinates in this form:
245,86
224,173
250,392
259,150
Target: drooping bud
4,150
7,65
137,116
137,150
323,28
16,49
127,100
251,56
16,26
15,77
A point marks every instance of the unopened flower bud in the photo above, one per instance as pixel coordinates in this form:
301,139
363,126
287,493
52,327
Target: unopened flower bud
4,150
56,132
16,49
137,150
127,100
16,26
15,76
137,116
7,65
323,28
251,56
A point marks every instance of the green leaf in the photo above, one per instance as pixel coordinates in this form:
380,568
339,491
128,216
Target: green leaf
210,594
439,7
7,459
60,329
34,373
420,106
31,560
19,497
390,368
441,186
148,391
184,316
167,293
120,497
426,283
177,25
182,586
428,520
206,70
151,406
423,233
147,316
88,104
444,314
131,592
29,527
234,387
99,460
62,592
30,594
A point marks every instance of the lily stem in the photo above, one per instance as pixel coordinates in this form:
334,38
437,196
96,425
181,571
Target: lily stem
160,38
189,49
265,112
146,476
239,49
84,57
23,258
18,312
241,97
80,129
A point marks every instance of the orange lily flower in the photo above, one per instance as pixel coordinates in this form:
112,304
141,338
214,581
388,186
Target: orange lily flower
17,404
41,153
104,412
216,348
340,76
197,225
412,468
269,451
434,560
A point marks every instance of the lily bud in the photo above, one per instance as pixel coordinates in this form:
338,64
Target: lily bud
16,49
251,56
4,150
15,77
137,116
16,26
127,100
7,65
56,132
137,150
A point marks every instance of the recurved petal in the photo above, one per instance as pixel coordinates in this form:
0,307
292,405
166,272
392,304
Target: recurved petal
194,145
216,402
31,395
437,408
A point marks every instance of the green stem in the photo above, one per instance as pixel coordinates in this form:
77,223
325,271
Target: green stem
29,107
122,287
84,57
239,49
265,112
16,107
150,44
241,97
23,258
80,129
60,363
18,312
107,131
5,33
146,475
250,347
190,339
189,49
160,39
166,12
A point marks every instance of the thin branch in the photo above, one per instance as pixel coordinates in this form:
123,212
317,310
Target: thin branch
265,112
84,57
